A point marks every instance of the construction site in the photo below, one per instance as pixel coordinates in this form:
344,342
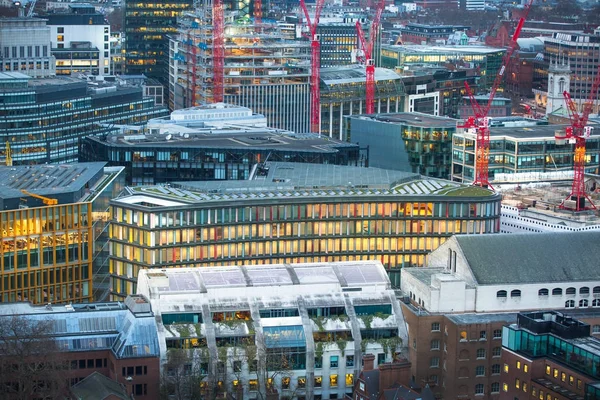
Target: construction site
258,66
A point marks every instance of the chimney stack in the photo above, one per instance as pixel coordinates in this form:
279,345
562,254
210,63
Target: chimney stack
368,362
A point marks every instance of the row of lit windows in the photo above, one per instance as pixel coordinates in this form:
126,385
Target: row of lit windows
301,212
300,230
76,292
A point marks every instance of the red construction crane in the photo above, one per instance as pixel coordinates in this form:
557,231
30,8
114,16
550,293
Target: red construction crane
315,67
367,49
577,133
218,50
479,121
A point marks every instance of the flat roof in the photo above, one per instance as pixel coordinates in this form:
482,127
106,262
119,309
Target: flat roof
344,274
13,75
532,131
482,318
411,118
229,137
417,48
354,73
294,180
46,179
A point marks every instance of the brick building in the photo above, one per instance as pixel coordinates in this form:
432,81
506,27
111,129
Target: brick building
118,340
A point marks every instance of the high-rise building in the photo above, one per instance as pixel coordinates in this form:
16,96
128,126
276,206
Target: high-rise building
25,45
262,70
291,212
45,118
54,223
80,41
147,26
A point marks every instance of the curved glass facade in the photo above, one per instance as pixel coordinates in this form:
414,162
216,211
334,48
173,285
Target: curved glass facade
398,230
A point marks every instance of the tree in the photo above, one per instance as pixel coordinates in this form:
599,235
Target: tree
115,19
31,364
182,375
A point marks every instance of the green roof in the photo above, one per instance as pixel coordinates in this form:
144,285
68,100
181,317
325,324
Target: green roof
532,257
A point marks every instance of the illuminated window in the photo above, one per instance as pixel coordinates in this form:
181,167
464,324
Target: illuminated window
563,377
349,379
525,387
463,335
318,381
253,383
505,387
517,383
505,367
60,38
235,383
525,368
555,373
518,364
548,370
333,380
285,382
301,381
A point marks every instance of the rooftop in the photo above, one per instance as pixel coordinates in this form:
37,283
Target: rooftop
344,274
354,73
559,257
527,132
99,387
412,119
228,137
469,49
481,318
46,179
293,180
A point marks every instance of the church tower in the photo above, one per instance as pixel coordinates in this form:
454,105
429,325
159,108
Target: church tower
559,80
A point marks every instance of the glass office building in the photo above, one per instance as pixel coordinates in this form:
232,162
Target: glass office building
293,213
48,253
521,149
45,118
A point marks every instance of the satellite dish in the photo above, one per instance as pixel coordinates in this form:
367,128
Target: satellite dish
168,137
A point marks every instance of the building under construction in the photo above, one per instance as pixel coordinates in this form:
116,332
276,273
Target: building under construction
261,69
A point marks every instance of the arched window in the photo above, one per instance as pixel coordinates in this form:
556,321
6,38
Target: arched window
584,290
543,292
501,294
570,290
463,372
596,290
515,293
463,355
596,303
583,303
561,85
557,292
570,304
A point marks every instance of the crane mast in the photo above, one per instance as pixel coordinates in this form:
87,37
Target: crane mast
315,66
367,49
218,50
479,122
577,133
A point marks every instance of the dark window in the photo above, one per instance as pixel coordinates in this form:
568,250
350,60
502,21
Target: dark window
98,363
584,290
129,371
543,292
557,292
515,293
570,290
138,370
501,294
81,364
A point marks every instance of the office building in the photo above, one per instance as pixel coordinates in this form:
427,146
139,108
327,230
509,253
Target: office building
422,34
262,69
549,354
80,41
580,52
412,142
147,26
118,340
45,118
473,285
520,149
500,107
25,44
343,93
364,213
298,330
53,223
339,42
487,60
212,142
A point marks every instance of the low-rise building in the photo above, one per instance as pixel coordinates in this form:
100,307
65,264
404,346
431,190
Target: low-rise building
473,285
520,149
549,355
299,330
118,340
423,34
25,45
293,212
